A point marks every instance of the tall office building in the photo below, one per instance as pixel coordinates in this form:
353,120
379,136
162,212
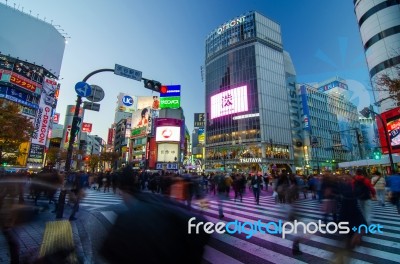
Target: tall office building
379,23
248,123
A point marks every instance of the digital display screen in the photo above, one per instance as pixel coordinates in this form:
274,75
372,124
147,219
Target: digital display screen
229,102
168,133
393,127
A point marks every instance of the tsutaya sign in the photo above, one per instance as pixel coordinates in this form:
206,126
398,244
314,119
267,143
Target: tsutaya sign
233,23
250,160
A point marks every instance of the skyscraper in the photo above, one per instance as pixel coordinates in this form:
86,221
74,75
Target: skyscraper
248,124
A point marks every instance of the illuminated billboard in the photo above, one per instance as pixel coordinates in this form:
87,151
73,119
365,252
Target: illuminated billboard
229,102
170,102
167,152
392,120
168,133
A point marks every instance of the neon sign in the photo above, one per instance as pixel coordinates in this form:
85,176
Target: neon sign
233,23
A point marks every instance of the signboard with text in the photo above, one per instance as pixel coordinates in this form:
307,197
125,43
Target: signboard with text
170,102
199,120
86,127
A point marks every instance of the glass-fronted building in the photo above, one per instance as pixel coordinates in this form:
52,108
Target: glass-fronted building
248,124
332,131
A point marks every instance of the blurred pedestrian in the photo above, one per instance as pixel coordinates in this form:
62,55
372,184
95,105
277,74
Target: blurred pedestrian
256,182
394,184
76,194
363,191
379,183
154,229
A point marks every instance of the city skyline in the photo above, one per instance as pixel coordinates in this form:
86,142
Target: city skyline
167,45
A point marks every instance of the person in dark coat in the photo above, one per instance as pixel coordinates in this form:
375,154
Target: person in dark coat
154,229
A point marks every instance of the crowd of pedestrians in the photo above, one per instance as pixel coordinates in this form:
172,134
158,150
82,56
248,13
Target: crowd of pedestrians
343,197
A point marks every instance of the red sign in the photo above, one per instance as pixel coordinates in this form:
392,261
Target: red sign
110,136
86,127
56,118
391,120
23,82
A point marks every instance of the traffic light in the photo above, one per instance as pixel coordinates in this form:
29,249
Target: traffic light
377,154
152,85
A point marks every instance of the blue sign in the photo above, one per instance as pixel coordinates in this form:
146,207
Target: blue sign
306,112
17,96
127,100
83,89
172,91
332,85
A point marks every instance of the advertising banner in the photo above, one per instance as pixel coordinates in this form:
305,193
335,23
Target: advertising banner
168,133
345,136
332,85
171,91
43,115
393,126
126,103
167,152
29,71
56,118
201,136
140,118
229,102
86,127
19,97
36,153
306,112
392,122
110,136
138,132
170,102
6,62
199,120
148,102
5,76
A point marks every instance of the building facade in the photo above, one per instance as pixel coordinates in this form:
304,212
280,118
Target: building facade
379,24
29,73
332,131
248,123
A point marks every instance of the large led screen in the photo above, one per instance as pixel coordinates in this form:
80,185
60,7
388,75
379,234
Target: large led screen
168,133
229,102
393,127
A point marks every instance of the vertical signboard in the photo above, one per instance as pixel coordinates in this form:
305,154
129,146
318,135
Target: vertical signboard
306,112
110,136
199,120
44,113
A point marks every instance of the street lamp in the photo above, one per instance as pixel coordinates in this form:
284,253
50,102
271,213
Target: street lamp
366,112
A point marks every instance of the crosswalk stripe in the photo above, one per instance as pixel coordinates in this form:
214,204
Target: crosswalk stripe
372,250
214,256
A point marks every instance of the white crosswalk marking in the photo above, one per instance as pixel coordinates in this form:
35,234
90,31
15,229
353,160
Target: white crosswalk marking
317,248
97,199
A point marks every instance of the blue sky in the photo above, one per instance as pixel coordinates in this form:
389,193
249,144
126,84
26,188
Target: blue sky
165,40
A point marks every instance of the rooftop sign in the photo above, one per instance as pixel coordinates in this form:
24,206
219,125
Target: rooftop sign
230,24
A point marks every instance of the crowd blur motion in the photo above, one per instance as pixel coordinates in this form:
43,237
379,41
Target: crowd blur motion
160,202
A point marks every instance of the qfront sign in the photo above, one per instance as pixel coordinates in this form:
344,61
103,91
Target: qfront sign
230,24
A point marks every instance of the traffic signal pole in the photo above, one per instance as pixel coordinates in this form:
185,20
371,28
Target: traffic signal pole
366,113
75,120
